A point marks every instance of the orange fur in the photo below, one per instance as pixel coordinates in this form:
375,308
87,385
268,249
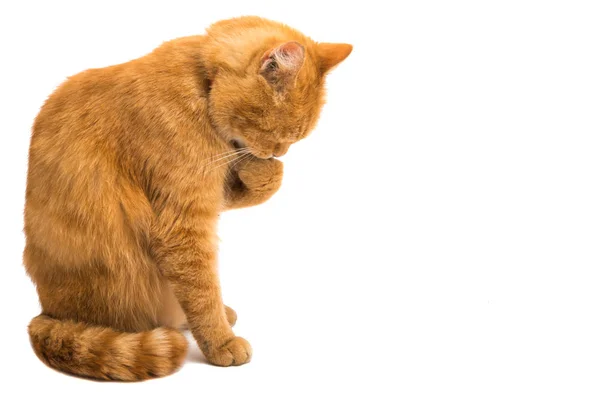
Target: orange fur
129,168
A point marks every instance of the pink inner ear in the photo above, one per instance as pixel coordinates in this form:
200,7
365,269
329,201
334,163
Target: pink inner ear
288,56
292,49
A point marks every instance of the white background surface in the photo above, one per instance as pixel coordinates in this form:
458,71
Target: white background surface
438,233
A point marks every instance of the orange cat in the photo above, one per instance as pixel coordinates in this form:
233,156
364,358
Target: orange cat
129,168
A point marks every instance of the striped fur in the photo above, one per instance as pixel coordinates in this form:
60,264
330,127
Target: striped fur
129,168
106,354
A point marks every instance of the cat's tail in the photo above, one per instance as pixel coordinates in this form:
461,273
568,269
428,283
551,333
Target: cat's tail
104,353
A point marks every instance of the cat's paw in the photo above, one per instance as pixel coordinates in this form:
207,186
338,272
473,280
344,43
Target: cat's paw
236,351
253,182
231,315
262,174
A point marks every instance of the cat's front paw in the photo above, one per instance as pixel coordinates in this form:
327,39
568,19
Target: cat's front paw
262,174
236,351
253,182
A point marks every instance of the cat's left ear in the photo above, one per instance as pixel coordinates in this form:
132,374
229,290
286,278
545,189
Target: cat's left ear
330,55
280,66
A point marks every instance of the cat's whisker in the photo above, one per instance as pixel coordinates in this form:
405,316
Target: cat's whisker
226,155
229,161
230,152
238,160
246,156
242,160
226,158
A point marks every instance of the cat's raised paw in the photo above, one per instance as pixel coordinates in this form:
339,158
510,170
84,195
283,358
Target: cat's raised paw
262,174
234,352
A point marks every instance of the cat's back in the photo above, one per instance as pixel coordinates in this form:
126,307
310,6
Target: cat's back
121,105
79,105
89,146
75,183
72,135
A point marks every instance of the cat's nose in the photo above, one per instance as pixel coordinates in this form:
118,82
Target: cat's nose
280,150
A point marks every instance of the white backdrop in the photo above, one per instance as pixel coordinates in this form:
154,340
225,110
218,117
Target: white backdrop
438,233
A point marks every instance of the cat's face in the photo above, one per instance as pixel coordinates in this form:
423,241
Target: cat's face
276,100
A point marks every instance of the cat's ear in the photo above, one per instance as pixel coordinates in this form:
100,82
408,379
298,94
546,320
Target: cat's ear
330,55
280,66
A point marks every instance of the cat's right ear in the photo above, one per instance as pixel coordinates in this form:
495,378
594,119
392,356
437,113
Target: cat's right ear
280,66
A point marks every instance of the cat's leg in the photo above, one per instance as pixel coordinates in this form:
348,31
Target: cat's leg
253,182
171,314
184,247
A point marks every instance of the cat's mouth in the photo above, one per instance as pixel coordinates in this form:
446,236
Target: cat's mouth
239,145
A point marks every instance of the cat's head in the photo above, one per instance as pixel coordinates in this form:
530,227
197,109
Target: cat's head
267,83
